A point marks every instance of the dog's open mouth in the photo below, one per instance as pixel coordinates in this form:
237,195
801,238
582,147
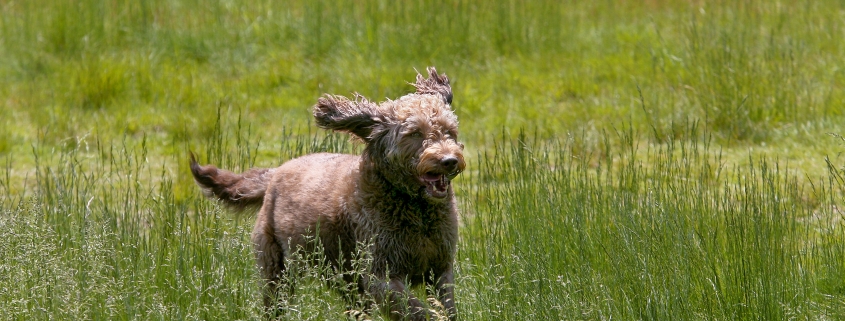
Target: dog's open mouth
436,184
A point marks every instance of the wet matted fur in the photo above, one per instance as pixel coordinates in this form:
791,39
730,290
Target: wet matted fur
396,196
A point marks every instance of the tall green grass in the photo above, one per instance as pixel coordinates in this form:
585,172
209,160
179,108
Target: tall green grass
665,233
106,234
716,200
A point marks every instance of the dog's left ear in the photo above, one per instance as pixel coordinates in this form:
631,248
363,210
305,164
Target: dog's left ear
358,117
434,84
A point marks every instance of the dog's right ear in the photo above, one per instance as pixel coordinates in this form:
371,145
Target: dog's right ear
434,84
339,113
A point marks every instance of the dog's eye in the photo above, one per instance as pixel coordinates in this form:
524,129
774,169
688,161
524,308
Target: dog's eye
416,135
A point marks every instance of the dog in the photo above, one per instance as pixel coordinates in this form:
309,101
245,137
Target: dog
396,197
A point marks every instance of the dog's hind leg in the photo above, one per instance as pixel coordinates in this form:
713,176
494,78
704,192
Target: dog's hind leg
271,263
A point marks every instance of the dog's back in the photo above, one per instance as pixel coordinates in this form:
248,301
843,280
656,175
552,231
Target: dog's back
307,178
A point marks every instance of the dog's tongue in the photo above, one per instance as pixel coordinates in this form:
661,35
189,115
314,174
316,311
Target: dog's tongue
436,184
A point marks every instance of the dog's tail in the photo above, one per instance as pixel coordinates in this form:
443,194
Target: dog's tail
237,191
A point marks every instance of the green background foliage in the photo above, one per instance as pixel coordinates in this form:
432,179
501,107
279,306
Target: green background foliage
627,160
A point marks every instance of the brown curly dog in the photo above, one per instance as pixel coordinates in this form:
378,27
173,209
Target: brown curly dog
396,196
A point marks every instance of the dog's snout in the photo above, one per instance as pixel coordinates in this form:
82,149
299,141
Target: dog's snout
449,162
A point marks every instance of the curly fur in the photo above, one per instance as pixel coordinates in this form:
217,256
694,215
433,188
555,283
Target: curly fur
396,196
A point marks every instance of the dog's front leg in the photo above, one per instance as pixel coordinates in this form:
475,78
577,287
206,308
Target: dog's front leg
395,296
444,287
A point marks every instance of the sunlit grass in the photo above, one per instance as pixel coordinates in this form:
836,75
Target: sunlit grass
663,235
659,160
658,234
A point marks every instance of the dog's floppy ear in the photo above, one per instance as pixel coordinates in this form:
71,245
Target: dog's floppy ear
434,84
339,113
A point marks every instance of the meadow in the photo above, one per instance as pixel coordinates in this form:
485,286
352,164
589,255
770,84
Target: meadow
663,160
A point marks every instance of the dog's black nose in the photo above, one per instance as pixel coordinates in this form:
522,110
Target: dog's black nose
449,162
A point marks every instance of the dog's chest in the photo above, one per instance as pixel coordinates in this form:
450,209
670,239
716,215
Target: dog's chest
426,241
410,238
418,253
428,245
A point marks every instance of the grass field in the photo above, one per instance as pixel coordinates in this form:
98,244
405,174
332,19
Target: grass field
654,160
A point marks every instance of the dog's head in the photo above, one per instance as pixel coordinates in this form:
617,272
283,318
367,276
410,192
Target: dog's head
411,141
